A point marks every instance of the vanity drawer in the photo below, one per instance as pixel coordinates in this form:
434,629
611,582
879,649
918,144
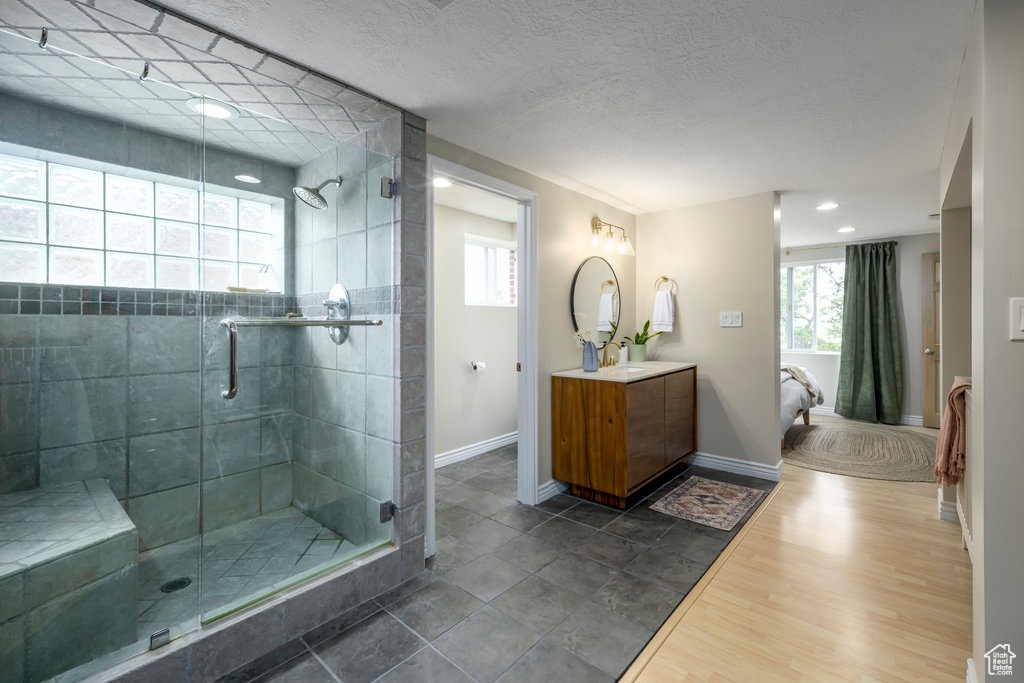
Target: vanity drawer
680,415
645,430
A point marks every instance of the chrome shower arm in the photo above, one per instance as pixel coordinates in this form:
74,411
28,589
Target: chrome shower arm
336,181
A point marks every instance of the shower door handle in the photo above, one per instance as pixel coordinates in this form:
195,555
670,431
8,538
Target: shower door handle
232,389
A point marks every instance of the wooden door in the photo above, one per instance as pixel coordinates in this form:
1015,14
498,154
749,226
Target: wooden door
645,430
931,314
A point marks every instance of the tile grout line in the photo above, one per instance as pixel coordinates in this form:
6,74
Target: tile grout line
428,643
317,658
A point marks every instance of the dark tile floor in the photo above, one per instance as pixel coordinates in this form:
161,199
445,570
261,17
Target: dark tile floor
564,591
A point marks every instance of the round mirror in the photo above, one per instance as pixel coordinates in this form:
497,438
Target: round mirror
594,299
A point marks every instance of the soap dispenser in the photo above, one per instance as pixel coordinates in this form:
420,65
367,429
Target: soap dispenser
623,354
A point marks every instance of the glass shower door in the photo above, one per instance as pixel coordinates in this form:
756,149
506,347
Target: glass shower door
99,366
297,461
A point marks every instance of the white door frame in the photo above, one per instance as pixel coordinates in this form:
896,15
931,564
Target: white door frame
528,349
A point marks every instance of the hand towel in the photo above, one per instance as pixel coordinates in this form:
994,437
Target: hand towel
604,313
664,312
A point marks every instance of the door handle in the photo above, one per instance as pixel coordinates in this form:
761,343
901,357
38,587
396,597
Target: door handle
929,352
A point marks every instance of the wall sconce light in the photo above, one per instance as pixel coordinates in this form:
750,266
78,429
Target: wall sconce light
620,244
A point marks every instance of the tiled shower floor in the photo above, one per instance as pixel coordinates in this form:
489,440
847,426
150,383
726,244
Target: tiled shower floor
241,563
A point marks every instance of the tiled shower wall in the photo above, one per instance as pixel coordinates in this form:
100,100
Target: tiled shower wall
121,397
344,398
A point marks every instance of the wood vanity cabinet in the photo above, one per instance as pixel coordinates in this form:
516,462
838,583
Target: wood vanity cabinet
610,438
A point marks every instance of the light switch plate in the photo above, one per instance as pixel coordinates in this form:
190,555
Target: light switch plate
730,319
1017,319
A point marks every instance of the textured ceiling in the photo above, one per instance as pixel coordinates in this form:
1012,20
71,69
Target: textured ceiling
96,52
648,104
878,209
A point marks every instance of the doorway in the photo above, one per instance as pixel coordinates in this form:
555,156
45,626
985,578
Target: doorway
481,355
931,350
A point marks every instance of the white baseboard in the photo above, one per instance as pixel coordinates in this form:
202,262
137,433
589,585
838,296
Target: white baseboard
965,532
909,420
972,673
474,449
948,512
549,489
752,469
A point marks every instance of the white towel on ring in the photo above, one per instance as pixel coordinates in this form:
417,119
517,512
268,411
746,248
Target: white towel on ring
605,313
664,311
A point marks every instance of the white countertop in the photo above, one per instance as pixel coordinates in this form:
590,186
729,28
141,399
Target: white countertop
630,372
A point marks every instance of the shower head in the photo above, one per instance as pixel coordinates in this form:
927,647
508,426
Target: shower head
311,195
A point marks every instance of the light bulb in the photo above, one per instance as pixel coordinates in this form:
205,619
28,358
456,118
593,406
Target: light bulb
622,245
594,234
609,240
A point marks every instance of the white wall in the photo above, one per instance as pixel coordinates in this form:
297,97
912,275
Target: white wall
723,257
825,366
469,408
989,106
563,242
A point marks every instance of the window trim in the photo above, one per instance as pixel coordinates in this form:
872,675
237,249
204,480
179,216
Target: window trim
787,338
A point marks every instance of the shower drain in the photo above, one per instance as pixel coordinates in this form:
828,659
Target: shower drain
175,584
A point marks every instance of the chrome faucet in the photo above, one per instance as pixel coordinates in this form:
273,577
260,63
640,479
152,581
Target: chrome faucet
605,361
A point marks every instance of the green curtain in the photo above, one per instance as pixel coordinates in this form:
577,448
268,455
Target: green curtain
871,362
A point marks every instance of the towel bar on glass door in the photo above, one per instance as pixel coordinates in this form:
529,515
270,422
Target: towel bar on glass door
233,325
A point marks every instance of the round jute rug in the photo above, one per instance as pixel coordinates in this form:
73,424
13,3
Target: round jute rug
862,449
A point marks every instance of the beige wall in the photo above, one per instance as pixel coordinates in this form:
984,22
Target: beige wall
469,408
908,271
724,258
990,103
563,242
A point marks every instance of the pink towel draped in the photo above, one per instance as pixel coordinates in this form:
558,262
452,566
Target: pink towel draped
952,444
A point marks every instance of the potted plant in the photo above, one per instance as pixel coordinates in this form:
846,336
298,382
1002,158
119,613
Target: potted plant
638,343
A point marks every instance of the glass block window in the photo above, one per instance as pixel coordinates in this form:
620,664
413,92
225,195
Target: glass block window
67,225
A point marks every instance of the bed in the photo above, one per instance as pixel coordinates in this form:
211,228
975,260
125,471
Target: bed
797,400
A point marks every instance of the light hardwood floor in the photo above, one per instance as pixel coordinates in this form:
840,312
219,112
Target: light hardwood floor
838,578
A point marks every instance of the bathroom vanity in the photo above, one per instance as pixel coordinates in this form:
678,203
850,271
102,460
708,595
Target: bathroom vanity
622,427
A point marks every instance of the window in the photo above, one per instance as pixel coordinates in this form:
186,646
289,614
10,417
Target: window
490,272
812,306
67,225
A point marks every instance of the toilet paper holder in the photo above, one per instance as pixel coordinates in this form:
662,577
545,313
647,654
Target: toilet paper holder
478,366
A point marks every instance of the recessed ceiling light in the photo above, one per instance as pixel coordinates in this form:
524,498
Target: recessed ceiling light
212,108
251,179
827,206
442,182
846,229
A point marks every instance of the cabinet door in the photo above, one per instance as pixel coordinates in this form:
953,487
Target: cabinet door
680,414
645,430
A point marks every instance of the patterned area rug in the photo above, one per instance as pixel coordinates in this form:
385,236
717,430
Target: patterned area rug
862,449
711,503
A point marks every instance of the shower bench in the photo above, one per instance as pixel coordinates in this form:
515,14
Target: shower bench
68,564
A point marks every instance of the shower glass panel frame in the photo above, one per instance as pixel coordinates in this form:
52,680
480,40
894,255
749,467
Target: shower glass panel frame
111,397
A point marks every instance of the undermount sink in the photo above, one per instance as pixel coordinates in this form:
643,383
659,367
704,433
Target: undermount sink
629,369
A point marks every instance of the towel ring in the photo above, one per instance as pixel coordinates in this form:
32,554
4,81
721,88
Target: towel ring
604,284
671,283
